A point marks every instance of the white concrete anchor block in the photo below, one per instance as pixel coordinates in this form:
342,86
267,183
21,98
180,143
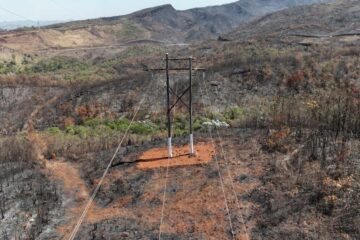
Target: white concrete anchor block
170,148
192,151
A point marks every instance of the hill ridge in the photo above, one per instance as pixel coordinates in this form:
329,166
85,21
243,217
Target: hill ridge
161,23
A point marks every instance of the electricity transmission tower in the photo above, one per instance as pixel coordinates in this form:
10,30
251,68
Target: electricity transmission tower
179,98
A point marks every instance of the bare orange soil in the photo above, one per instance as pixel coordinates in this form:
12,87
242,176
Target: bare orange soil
158,157
196,208
73,184
75,187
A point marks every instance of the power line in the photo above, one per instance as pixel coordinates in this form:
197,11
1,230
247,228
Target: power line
166,178
221,180
232,184
16,14
222,187
88,205
164,197
221,184
230,176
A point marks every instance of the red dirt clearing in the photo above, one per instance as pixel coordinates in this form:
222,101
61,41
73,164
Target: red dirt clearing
158,157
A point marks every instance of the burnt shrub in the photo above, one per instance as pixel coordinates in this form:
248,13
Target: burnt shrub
17,150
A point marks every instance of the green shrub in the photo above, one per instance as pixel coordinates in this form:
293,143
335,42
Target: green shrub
141,129
93,122
198,123
8,67
59,63
70,130
119,125
82,131
54,130
216,116
181,121
180,132
234,113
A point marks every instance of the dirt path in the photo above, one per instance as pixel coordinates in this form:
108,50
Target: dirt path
194,205
75,191
69,176
77,195
29,122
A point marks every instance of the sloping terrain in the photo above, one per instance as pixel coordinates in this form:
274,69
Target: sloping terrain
287,167
208,22
22,102
163,23
322,23
129,203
